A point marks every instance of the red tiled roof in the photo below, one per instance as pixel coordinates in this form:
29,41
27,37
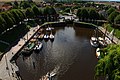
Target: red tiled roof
6,7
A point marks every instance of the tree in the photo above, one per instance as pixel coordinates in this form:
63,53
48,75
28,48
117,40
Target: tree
12,17
93,14
16,3
23,13
110,10
36,11
21,16
29,13
16,15
25,5
79,13
8,3
109,65
67,10
117,19
112,16
9,22
84,14
53,11
101,17
2,24
40,12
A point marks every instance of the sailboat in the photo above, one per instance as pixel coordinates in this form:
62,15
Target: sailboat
38,46
109,40
106,40
94,40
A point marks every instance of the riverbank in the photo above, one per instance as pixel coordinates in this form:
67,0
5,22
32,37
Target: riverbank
115,39
100,28
8,69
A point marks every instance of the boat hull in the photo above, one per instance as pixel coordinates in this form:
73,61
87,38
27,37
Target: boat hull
94,42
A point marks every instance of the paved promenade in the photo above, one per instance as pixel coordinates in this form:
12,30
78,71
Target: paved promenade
8,69
115,40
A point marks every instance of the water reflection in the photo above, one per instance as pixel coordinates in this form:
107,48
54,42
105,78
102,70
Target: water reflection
70,51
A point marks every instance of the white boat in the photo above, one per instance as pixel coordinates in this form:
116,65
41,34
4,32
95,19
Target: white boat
51,36
48,29
94,42
41,36
102,42
38,46
98,53
51,75
46,36
48,76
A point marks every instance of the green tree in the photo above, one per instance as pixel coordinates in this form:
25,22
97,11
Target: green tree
2,24
40,12
79,13
93,14
36,11
84,14
109,65
21,16
53,11
16,5
12,17
16,16
25,5
9,3
29,13
23,13
110,10
9,22
117,19
112,16
101,17
67,10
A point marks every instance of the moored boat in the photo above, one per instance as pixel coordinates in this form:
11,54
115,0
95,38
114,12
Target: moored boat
46,36
102,42
51,36
41,36
48,76
98,53
28,48
94,42
48,29
38,47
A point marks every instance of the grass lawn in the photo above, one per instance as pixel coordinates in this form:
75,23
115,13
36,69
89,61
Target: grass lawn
12,36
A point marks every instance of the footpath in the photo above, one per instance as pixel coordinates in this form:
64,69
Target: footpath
8,69
115,40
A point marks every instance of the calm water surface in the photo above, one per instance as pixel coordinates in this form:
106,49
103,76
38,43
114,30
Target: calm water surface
70,54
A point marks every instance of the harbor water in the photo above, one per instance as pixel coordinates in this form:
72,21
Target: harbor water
70,56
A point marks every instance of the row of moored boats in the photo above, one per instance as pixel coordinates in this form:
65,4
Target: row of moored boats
35,44
99,42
